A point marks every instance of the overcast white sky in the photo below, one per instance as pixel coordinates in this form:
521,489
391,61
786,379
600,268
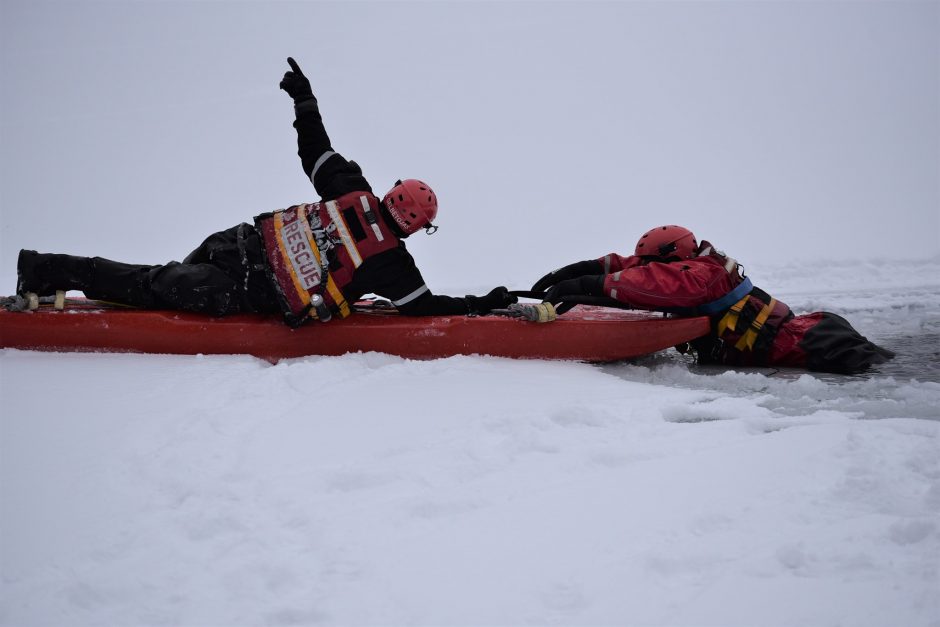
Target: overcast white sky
551,131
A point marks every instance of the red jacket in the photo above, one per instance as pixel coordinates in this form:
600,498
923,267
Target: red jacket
684,285
660,286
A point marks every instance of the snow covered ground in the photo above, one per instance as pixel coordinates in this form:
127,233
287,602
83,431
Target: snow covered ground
368,489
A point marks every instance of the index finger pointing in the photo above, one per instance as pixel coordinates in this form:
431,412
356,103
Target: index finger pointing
294,66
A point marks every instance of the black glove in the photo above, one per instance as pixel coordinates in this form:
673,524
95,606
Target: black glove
590,285
295,83
498,298
580,268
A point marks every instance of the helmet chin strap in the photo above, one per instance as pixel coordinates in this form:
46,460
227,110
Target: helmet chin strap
430,229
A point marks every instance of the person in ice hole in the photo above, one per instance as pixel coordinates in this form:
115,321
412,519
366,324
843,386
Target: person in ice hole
671,272
307,261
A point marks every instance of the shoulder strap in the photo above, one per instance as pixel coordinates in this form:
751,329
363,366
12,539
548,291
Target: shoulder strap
727,300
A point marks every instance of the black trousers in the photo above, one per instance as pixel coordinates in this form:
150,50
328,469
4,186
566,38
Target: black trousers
224,275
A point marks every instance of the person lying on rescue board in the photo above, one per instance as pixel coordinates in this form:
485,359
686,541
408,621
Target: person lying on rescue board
311,260
671,272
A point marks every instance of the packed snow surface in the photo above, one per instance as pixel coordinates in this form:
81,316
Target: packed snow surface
369,489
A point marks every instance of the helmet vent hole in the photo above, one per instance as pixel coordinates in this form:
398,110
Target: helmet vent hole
401,198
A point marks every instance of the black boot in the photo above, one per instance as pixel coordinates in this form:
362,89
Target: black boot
43,274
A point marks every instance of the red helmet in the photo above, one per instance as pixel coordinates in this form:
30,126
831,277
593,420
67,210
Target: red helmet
665,242
412,205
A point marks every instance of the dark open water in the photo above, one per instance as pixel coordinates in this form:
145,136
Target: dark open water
906,387
916,358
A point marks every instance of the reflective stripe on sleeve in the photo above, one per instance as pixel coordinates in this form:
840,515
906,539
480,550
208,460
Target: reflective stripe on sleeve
316,166
410,297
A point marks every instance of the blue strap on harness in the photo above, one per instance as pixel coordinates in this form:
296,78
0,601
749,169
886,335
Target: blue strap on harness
742,290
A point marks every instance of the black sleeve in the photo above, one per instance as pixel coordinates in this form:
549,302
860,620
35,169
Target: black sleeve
331,174
428,304
394,275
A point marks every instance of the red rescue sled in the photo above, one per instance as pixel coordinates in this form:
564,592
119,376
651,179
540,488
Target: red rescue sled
585,333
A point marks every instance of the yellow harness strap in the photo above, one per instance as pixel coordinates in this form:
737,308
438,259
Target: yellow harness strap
338,298
750,336
730,319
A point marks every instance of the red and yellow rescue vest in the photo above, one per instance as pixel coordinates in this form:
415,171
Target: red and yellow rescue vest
315,249
748,326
